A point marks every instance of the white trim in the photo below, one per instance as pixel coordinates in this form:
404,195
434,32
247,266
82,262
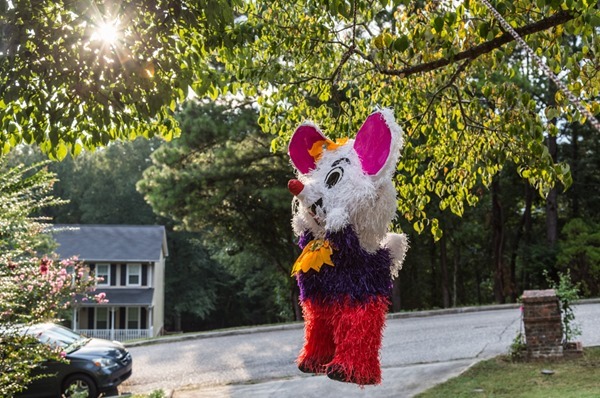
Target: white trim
107,319
130,273
138,320
118,334
106,281
112,323
75,321
150,274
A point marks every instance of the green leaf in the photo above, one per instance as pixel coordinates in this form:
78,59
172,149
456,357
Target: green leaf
213,92
61,150
438,23
378,42
418,226
559,97
77,148
401,43
436,231
483,29
387,39
450,18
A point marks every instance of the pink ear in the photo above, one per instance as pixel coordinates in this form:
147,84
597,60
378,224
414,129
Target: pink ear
302,141
373,143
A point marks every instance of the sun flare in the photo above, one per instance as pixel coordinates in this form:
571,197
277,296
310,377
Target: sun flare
107,32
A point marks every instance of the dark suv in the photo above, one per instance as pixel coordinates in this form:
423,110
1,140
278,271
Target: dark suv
94,366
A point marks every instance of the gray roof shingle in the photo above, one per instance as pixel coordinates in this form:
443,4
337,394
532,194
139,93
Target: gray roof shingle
120,296
111,243
127,296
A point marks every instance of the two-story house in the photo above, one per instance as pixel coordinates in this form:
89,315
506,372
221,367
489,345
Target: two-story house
130,259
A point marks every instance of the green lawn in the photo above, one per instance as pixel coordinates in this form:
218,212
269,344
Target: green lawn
499,377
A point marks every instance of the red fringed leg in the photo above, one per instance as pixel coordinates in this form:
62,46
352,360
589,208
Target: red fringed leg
318,338
358,331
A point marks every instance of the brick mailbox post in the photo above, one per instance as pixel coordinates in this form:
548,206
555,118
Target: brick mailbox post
543,324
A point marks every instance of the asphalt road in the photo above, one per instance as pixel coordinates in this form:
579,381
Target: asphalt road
417,352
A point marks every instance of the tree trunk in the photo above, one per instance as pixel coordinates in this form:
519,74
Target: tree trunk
177,321
528,225
552,199
497,242
521,228
433,277
552,202
396,298
478,282
455,276
444,269
575,172
295,298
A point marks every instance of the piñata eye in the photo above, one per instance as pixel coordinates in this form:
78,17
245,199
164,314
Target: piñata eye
334,176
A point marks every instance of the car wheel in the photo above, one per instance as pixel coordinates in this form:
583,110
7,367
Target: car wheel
80,386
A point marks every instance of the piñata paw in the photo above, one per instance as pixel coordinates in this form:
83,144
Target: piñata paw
336,372
312,366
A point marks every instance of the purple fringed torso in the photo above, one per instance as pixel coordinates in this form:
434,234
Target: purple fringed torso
357,274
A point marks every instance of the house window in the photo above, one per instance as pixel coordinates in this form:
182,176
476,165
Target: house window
133,318
102,318
103,271
134,274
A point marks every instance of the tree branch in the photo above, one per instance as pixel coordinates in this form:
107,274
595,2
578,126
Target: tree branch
557,19
450,83
336,74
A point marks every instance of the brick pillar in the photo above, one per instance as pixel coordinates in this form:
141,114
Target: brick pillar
543,324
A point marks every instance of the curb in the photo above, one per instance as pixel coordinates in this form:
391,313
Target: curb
218,333
300,325
451,311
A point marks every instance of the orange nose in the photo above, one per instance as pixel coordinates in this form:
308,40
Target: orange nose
295,187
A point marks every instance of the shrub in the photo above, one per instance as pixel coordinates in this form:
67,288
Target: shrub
34,286
567,292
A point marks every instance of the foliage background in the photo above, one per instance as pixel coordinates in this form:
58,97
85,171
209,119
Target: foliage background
490,143
229,265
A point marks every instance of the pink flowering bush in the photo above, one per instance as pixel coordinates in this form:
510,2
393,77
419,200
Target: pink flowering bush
39,289
34,285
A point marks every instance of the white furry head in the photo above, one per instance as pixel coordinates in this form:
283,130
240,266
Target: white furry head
346,184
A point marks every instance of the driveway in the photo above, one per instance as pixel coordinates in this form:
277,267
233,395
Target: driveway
419,350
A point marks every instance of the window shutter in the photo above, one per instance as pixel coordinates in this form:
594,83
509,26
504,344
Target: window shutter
144,275
91,313
113,274
122,320
123,274
143,318
92,267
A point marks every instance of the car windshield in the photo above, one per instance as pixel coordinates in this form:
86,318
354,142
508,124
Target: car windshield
58,336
